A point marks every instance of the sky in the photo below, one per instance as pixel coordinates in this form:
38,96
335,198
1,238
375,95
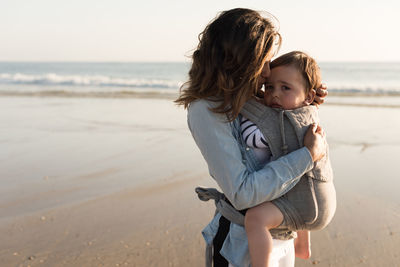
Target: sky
165,31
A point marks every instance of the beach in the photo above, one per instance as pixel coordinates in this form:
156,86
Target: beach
95,181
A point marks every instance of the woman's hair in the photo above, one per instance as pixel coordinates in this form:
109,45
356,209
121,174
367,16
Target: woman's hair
306,65
229,58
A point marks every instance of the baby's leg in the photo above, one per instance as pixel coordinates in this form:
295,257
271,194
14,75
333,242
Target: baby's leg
302,244
258,221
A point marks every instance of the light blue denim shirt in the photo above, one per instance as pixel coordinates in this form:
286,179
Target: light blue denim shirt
243,180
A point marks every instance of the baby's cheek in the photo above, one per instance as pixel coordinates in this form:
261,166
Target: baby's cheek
266,99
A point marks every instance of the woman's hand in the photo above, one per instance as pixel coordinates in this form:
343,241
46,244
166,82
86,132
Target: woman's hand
315,142
320,94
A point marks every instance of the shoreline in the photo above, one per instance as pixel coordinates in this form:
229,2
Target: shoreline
334,98
162,93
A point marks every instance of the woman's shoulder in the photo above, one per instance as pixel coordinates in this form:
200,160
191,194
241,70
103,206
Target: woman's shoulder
202,108
202,104
200,112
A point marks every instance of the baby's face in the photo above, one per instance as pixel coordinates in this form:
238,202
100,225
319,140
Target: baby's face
285,88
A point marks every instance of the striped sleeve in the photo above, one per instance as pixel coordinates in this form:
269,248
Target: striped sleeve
252,135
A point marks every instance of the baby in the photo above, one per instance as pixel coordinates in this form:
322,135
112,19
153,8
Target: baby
310,205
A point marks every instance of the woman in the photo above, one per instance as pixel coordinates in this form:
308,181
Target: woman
230,65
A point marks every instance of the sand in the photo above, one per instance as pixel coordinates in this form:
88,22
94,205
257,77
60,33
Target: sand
109,182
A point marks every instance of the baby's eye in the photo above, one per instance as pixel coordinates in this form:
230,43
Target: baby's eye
284,87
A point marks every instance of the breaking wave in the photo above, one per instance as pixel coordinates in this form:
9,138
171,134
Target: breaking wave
85,80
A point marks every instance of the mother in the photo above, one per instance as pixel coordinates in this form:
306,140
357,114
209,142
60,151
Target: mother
230,65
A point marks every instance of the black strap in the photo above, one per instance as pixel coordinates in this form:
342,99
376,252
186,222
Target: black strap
218,241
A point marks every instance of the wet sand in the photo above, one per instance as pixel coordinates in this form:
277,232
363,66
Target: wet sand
109,182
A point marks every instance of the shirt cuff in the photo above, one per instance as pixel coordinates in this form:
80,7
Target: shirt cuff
306,155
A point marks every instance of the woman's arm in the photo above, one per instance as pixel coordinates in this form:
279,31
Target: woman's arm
244,189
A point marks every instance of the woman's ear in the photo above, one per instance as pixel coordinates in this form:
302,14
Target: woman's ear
310,97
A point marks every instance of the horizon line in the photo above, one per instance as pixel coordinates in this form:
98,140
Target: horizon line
174,61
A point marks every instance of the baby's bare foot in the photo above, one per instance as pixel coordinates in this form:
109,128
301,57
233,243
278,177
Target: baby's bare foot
302,251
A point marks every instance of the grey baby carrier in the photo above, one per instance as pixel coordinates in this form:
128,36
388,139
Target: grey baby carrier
310,204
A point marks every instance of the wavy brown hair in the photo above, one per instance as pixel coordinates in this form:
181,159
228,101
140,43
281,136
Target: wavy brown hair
306,65
229,58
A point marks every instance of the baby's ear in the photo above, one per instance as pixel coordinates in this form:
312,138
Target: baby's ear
310,97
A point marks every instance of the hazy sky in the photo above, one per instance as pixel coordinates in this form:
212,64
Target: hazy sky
167,30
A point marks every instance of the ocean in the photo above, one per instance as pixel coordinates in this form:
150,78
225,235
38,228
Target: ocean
127,79
72,132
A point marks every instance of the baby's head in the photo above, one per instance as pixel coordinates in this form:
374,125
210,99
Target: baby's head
293,77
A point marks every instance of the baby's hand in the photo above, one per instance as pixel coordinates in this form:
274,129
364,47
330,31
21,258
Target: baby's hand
315,141
320,95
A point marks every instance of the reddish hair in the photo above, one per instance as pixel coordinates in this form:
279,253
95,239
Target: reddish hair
229,58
